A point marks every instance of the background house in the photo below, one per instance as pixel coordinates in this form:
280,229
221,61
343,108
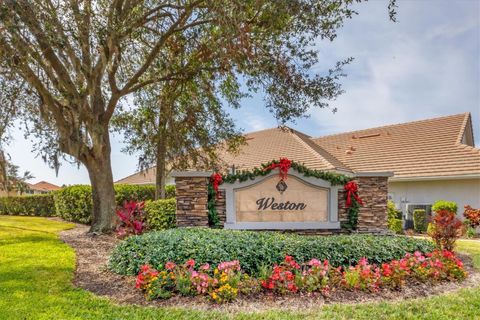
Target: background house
431,159
42,187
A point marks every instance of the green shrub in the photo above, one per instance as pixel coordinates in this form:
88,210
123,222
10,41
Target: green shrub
170,191
395,225
255,249
160,214
430,228
75,203
41,205
419,220
128,192
445,205
470,233
392,212
394,217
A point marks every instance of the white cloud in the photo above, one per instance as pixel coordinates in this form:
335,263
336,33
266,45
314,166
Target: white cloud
407,70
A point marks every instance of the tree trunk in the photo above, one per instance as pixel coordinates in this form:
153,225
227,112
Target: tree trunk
100,171
160,156
160,174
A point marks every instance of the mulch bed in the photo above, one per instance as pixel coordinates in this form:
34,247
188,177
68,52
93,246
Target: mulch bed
92,253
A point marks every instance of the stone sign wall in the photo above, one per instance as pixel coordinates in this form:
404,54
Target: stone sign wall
328,202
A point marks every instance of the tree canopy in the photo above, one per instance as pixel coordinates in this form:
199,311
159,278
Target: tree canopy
82,58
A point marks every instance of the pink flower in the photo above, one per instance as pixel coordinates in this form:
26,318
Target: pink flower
363,261
170,265
205,267
438,264
314,263
229,265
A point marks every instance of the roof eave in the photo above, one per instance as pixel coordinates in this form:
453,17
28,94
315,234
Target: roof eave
435,178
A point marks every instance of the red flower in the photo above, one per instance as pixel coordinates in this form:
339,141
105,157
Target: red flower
190,263
170,265
292,287
386,270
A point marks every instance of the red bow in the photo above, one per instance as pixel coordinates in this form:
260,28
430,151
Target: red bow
283,165
216,180
352,190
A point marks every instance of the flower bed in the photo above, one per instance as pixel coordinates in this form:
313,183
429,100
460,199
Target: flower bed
255,249
225,282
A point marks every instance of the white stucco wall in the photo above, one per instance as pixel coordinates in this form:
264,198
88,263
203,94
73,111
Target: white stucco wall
463,192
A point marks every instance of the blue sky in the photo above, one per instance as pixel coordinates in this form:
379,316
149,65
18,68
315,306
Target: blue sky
426,65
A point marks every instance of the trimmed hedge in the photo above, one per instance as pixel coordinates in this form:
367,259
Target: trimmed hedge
394,217
41,205
420,220
445,205
161,214
170,191
74,203
126,192
255,249
395,225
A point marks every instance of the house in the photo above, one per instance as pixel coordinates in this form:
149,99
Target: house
42,187
144,177
431,159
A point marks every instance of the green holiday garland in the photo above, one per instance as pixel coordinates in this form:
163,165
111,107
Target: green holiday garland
244,175
352,217
213,219
265,169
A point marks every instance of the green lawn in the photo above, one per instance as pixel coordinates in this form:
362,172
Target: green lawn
36,270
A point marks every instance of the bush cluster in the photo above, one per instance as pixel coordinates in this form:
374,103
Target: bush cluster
445,205
161,214
472,216
255,249
74,203
420,220
41,205
446,229
394,217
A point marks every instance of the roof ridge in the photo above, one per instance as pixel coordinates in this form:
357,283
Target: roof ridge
468,148
312,151
462,128
310,144
268,129
392,125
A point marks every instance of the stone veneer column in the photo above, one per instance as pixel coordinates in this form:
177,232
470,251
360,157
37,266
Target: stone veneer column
373,190
192,198
221,207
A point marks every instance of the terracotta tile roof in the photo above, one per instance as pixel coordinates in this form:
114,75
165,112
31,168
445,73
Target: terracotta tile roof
428,148
440,147
266,145
44,186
